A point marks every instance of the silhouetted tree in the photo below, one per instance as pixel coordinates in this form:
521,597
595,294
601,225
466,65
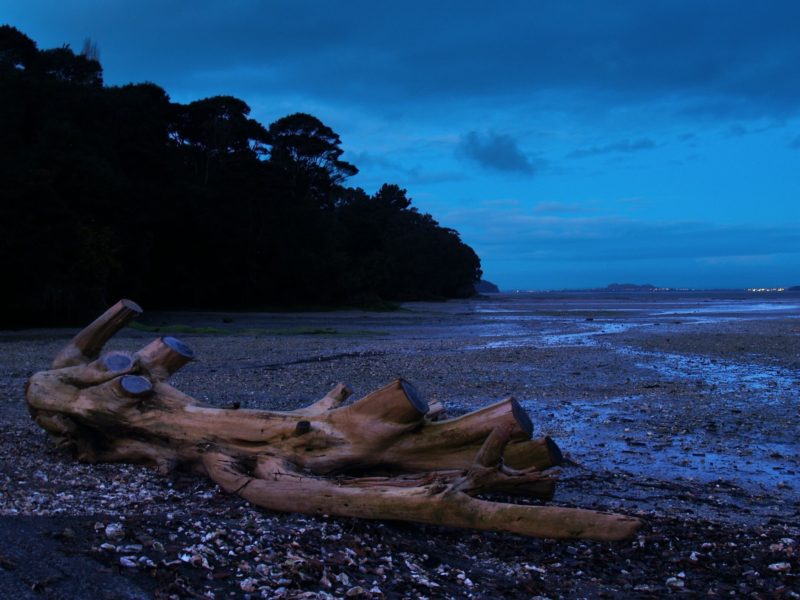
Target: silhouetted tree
301,142
218,130
64,65
117,191
17,50
403,254
90,50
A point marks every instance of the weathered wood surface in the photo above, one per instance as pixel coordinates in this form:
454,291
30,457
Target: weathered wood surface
379,457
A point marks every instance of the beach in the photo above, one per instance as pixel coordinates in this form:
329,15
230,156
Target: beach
681,408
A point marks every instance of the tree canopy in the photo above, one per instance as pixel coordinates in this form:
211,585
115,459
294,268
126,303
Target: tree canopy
111,191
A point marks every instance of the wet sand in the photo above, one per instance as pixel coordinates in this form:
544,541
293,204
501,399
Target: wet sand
680,408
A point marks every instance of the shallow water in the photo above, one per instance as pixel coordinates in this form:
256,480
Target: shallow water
771,383
609,436
742,307
594,389
609,431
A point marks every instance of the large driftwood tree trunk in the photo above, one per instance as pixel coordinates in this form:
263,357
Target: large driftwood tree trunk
380,457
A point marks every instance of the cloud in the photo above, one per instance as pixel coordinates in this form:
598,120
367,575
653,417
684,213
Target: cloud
622,147
737,130
738,260
585,52
501,203
372,159
385,169
561,208
519,235
420,176
495,151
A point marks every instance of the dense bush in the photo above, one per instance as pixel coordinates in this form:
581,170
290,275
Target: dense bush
117,191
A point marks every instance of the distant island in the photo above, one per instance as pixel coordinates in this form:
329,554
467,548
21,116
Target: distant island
794,288
633,287
486,287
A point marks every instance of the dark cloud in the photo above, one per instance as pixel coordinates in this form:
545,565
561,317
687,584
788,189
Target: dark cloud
371,159
623,147
737,130
718,58
420,176
495,151
409,175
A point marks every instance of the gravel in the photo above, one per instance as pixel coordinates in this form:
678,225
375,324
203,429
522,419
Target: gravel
689,423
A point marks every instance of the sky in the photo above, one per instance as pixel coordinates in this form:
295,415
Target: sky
571,143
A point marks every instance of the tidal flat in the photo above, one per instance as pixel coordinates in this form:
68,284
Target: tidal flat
682,408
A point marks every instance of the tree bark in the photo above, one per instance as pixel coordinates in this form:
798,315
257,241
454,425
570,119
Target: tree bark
379,457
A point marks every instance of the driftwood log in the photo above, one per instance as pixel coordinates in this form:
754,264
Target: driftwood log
380,457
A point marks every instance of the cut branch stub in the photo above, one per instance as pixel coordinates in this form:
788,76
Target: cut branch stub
453,443
399,402
331,400
328,458
164,356
86,346
135,386
522,419
542,453
117,361
491,453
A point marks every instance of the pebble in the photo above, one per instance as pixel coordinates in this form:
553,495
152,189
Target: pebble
115,531
128,561
675,582
203,527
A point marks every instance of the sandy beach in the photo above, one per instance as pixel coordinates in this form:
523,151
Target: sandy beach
680,408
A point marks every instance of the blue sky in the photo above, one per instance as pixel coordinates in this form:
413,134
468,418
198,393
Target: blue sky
573,144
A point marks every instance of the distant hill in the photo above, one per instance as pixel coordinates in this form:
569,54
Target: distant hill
794,288
486,287
630,287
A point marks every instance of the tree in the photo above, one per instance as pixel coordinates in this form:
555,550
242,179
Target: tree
303,144
63,64
402,254
90,50
306,172
118,178
218,129
392,197
17,50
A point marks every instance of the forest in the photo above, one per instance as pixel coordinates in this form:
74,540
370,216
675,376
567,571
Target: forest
116,191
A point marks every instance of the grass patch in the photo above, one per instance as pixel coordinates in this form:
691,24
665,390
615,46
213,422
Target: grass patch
175,328
329,331
189,329
368,305
304,331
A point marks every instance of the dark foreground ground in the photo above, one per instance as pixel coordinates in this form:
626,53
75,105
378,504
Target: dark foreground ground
683,411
